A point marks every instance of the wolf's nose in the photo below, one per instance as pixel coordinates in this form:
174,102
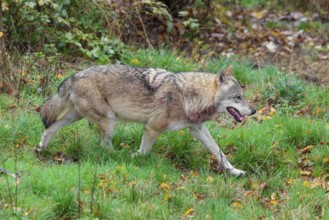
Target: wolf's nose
253,111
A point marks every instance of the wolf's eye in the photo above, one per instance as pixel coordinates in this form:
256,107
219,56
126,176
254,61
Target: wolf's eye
239,97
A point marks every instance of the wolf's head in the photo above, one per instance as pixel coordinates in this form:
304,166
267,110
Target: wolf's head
229,96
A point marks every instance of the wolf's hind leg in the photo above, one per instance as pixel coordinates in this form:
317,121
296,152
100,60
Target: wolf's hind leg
201,133
68,118
148,139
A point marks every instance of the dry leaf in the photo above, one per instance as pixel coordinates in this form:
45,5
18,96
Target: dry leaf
271,47
306,149
165,186
306,184
189,212
305,172
237,204
18,180
167,197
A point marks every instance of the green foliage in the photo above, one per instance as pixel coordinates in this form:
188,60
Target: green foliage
310,26
75,27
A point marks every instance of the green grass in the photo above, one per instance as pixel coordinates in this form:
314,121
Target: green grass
177,175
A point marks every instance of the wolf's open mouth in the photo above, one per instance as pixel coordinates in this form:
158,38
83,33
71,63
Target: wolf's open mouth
236,114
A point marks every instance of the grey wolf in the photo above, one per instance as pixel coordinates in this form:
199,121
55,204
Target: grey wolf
159,99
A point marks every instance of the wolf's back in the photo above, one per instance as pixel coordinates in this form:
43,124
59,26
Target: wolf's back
55,105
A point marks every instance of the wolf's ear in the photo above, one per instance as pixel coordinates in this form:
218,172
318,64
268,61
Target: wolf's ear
224,75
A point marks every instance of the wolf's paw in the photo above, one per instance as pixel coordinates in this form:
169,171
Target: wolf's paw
236,172
139,153
38,149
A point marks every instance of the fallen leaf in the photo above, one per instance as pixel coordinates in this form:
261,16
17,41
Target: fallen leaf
259,14
271,46
165,186
272,111
189,212
167,197
134,61
210,179
306,184
316,182
305,172
306,149
237,204
290,181
194,173
18,180
200,196
326,160
1,34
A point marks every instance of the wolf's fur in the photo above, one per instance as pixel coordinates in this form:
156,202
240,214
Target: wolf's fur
160,99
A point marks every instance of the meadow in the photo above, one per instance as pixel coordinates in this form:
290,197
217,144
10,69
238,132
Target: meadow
284,148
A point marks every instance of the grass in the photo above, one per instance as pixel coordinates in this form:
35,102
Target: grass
178,179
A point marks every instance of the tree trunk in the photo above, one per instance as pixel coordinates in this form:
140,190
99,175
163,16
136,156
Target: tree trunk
2,51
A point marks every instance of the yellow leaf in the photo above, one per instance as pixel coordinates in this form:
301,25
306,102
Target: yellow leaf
305,172
272,111
236,204
165,186
306,149
180,188
188,212
85,191
259,14
59,76
274,202
1,34
326,160
132,184
167,197
266,118
262,110
134,61
194,173
273,196
318,110
290,181
210,179
306,184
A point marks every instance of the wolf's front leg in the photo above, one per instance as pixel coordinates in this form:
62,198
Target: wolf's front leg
148,139
201,133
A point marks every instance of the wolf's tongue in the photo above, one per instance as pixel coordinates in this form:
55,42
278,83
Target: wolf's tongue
235,113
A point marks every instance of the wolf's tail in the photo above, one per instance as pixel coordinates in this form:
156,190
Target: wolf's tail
54,106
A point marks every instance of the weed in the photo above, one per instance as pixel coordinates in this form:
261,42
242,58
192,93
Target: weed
65,205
